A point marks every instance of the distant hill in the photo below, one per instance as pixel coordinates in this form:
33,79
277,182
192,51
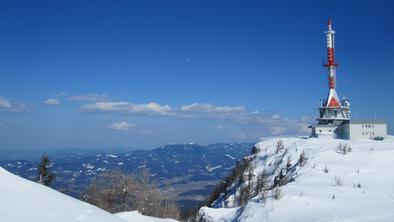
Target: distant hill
190,171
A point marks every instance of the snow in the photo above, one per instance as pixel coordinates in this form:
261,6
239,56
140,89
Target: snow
88,166
112,156
314,195
135,216
22,200
213,168
230,157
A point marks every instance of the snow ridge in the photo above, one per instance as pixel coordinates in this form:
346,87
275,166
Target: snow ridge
324,185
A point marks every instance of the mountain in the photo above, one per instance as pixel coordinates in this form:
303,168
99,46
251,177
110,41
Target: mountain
314,179
189,171
23,200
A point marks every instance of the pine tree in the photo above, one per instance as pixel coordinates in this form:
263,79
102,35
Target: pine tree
302,159
45,176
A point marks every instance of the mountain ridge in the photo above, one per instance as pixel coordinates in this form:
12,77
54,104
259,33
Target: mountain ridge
314,179
182,166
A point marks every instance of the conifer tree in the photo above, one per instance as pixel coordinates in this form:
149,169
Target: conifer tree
45,176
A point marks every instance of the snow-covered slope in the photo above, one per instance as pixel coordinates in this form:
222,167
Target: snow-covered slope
22,200
331,186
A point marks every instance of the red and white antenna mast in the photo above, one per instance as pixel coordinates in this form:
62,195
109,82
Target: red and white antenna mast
333,110
331,56
332,100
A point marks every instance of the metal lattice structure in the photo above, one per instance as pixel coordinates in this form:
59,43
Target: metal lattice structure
332,110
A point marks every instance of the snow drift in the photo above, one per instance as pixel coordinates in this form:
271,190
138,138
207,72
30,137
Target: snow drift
332,185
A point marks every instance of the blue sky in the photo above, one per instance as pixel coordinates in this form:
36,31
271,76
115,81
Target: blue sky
90,74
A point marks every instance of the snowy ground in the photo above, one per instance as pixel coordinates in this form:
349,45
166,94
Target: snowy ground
22,200
315,195
135,216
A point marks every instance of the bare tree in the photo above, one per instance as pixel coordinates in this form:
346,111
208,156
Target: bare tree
250,182
113,191
325,169
338,181
243,195
263,182
236,175
344,148
278,193
116,191
302,159
279,146
288,163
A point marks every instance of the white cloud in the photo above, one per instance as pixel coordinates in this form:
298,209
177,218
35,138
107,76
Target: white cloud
210,111
307,118
303,129
209,108
129,108
13,106
90,97
61,94
275,116
52,101
252,122
277,130
122,126
5,103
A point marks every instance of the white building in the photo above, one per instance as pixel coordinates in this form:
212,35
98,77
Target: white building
358,129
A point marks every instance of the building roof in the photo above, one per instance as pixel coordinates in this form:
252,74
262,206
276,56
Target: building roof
325,126
368,122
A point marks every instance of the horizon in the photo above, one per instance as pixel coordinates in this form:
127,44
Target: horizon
85,75
131,148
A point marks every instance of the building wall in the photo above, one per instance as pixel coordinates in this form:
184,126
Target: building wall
343,131
367,130
325,130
